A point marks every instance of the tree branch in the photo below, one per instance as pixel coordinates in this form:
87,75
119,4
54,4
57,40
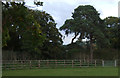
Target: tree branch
76,34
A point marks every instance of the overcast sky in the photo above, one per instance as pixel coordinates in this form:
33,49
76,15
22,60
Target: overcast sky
61,10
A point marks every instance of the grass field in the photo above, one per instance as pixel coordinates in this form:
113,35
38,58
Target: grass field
107,71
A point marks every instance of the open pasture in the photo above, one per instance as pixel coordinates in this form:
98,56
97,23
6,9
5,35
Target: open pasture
99,71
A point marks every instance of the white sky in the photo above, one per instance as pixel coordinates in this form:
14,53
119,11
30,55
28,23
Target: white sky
61,10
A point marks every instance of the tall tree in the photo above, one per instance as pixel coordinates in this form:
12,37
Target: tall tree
21,32
52,44
86,23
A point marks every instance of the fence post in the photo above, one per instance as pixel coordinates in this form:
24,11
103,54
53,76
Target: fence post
56,62
72,63
115,63
47,63
64,63
39,63
103,63
80,63
21,64
30,64
13,64
95,63
88,63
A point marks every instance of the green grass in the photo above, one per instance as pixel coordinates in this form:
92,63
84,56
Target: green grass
107,71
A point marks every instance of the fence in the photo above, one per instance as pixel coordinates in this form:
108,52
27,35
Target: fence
29,64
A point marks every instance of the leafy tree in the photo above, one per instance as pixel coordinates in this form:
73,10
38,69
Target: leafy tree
86,23
112,28
52,44
21,32
5,35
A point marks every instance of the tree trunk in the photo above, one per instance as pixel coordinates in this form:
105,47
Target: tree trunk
76,34
91,52
91,48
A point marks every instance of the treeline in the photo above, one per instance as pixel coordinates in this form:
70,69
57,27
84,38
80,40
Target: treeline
32,34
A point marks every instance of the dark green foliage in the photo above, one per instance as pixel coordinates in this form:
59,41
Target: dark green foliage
32,32
106,54
86,23
112,28
77,50
22,32
51,48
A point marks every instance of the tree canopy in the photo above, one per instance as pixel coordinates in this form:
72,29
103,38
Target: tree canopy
29,30
86,23
32,34
112,28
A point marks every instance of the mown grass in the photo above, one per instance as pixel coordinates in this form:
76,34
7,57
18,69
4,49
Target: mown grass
101,71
